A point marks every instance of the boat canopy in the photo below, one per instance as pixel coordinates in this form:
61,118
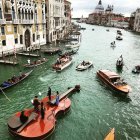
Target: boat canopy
110,74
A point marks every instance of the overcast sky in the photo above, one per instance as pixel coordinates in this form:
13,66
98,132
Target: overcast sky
84,7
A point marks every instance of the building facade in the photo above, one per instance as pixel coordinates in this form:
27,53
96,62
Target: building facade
137,21
107,17
22,24
67,13
55,19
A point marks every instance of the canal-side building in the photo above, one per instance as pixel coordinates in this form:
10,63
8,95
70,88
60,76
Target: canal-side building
132,20
67,13
137,21
55,19
22,24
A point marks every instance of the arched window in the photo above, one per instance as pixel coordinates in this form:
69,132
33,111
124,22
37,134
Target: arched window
22,14
0,13
21,39
31,14
19,14
13,13
25,14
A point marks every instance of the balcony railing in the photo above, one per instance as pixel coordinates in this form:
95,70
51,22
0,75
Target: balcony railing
25,21
2,21
15,21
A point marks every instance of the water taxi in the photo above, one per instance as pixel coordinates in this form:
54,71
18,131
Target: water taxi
114,81
62,63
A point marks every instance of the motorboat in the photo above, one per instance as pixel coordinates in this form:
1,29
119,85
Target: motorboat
136,69
72,45
114,81
62,63
119,37
84,65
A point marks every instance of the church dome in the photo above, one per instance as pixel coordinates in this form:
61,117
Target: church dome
99,6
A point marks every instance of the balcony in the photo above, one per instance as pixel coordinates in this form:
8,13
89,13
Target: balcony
15,21
25,21
2,21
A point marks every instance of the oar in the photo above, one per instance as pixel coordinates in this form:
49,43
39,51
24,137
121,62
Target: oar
5,95
126,67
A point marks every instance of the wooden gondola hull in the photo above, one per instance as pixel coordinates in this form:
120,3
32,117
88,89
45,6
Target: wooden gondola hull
26,75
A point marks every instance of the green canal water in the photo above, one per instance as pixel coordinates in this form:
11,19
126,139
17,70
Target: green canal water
95,109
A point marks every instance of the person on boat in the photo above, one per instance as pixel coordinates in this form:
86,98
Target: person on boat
42,110
58,61
36,104
120,60
57,98
83,63
23,117
49,93
29,61
14,79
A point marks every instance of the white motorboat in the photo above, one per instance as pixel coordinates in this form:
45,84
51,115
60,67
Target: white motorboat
84,65
64,63
119,37
72,45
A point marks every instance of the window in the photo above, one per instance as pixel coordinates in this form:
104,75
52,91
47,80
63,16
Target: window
43,36
3,42
16,41
2,31
38,36
0,13
15,29
33,37
36,27
21,39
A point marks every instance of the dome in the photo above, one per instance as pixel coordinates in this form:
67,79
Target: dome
99,6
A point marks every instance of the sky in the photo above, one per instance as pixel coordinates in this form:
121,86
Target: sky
85,7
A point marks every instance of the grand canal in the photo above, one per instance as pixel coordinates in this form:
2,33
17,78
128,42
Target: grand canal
95,109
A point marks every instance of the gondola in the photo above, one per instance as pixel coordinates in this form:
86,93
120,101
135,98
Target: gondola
36,63
136,70
110,135
84,65
14,80
119,64
36,128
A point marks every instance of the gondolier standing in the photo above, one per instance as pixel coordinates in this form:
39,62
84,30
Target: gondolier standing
29,61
